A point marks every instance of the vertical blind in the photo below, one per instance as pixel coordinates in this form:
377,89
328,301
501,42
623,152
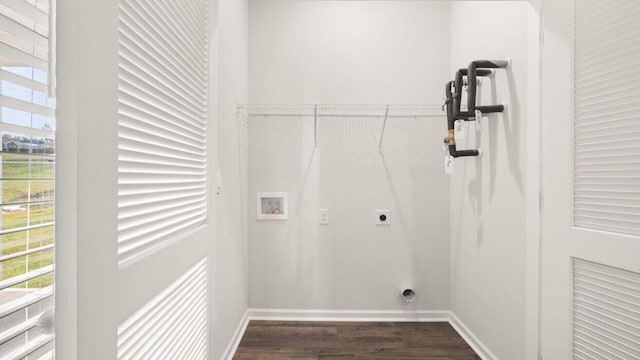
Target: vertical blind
607,116
162,162
27,125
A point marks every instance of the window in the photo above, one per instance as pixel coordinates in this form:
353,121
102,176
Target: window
27,126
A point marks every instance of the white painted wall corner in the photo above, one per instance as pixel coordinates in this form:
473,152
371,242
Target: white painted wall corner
471,339
231,348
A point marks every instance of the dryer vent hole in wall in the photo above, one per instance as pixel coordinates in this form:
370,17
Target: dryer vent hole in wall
408,295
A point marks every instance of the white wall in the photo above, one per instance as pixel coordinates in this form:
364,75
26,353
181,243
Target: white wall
369,52
488,197
228,291
349,52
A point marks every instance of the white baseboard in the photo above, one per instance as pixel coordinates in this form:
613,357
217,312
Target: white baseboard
348,315
237,336
357,315
471,338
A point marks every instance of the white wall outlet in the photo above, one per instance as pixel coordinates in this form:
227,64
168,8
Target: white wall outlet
383,217
323,216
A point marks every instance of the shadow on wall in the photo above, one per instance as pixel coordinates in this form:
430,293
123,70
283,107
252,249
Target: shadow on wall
491,144
281,158
402,218
512,132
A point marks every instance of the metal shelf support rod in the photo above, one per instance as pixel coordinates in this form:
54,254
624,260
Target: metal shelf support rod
384,126
315,126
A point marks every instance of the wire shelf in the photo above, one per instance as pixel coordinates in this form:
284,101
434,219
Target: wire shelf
319,111
341,110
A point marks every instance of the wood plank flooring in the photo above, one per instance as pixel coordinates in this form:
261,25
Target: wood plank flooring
276,340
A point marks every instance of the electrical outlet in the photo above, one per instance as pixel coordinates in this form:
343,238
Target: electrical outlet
323,216
383,217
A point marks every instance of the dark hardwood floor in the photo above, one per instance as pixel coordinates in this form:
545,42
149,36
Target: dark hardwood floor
352,340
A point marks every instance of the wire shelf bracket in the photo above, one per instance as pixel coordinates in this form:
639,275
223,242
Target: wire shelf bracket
384,126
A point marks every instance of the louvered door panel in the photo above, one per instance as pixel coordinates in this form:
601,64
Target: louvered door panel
172,325
163,77
607,116
606,312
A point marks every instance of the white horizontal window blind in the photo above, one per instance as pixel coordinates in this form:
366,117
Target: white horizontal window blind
27,124
163,83
606,312
607,116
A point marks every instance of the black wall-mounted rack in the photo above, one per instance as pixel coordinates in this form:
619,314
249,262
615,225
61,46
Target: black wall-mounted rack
453,102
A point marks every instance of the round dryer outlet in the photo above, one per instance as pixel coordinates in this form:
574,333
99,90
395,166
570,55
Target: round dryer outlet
383,217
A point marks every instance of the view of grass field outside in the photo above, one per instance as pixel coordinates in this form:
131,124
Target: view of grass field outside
27,187
27,153
27,200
